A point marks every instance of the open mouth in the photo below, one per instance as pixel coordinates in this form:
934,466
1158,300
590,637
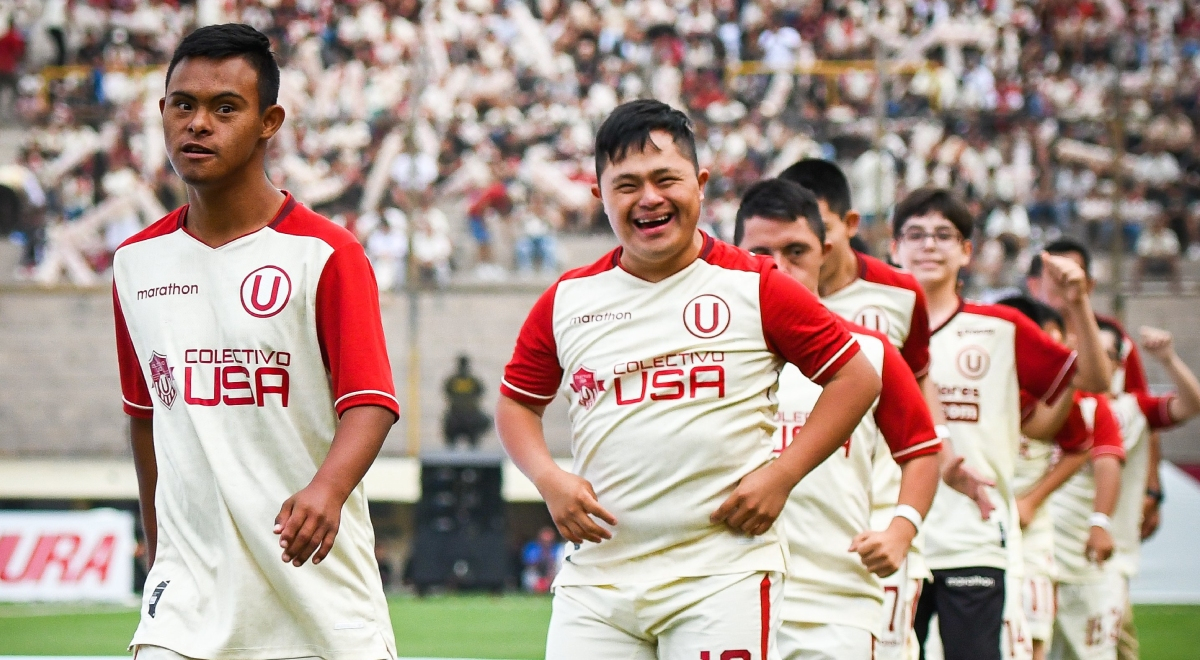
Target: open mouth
196,150
653,222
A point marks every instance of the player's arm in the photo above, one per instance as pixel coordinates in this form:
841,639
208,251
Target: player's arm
1106,469
1152,500
1031,500
1046,420
1186,402
141,439
915,446
1070,281
570,498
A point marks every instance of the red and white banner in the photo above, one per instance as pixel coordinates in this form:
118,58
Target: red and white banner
66,555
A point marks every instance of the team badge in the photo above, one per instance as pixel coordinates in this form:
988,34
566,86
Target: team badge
584,383
266,291
872,318
163,381
973,362
706,316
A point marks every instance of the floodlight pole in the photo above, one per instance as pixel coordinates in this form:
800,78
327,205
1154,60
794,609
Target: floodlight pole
412,279
880,116
1117,254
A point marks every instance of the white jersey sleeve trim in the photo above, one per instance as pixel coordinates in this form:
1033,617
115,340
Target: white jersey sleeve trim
362,392
1061,374
518,390
134,405
915,448
833,359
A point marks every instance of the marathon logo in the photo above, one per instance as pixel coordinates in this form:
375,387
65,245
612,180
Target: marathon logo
970,581
601,317
171,289
959,404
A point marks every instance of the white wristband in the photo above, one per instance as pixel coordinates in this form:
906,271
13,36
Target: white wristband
1100,520
908,513
942,431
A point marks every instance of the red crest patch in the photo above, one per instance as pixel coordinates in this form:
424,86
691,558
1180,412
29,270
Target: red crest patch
584,383
163,381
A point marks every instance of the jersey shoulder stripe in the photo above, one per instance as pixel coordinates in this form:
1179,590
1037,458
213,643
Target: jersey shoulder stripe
167,224
295,219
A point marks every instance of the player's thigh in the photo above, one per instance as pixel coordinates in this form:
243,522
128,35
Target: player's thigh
152,652
970,609
723,617
1037,599
589,622
819,641
1086,627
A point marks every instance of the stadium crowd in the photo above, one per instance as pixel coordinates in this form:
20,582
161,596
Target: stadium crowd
473,118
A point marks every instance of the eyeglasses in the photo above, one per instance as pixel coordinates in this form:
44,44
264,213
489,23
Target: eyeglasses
942,236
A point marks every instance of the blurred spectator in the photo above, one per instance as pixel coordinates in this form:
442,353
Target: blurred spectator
12,50
1158,253
537,222
431,245
464,418
541,559
387,248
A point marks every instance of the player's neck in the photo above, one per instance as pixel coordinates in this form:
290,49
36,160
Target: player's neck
942,300
659,270
840,271
218,214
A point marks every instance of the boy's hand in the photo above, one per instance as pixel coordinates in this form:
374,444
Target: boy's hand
1158,342
1099,545
1066,277
883,553
1025,512
963,479
308,523
757,501
572,503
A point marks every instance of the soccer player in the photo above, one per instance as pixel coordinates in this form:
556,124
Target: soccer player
871,293
1085,428
1090,614
668,350
833,600
256,379
981,357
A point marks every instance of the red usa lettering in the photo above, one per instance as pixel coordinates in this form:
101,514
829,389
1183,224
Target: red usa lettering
235,386
670,384
61,556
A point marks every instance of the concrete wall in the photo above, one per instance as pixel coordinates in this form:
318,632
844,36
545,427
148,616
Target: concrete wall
59,392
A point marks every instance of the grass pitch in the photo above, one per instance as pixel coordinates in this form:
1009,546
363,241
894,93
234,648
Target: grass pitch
468,626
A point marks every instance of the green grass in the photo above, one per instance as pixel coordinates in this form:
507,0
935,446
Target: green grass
453,626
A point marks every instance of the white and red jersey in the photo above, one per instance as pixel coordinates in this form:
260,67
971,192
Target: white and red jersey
1073,503
983,357
244,355
1139,414
890,301
832,505
671,387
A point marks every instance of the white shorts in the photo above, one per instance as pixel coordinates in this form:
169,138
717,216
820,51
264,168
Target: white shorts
1016,640
825,641
1037,597
720,617
1089,618
900,596
151,652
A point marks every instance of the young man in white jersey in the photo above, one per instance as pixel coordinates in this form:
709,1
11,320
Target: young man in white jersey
256,378
1093,605
1085,428
982,356
668,350
834,603
871,293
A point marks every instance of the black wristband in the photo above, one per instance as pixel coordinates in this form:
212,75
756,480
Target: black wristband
1157,495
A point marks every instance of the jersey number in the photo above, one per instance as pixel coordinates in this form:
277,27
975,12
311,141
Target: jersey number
740,654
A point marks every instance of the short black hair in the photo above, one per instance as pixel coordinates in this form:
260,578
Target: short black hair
219,42
1038,311
1110,327
923,201
1060,247
825,179
629,127
780,200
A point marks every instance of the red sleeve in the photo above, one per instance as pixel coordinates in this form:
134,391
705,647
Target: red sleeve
1106,431
799,328
1157,409
533,374
1135,372
902,415
350,333
1028,405
916,345
1075,434
134,393
1044,367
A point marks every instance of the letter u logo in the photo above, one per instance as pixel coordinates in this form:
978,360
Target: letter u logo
255,299
706,316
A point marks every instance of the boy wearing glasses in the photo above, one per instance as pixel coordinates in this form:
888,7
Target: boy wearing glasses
982,357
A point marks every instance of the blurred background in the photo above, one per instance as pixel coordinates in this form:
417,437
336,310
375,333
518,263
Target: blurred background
454,138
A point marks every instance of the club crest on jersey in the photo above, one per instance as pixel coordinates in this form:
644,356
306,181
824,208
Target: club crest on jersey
706,316
266,291
162,380
973,362
872,318
584,383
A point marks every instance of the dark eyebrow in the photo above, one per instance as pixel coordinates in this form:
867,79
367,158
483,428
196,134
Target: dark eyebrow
652,174
219,95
